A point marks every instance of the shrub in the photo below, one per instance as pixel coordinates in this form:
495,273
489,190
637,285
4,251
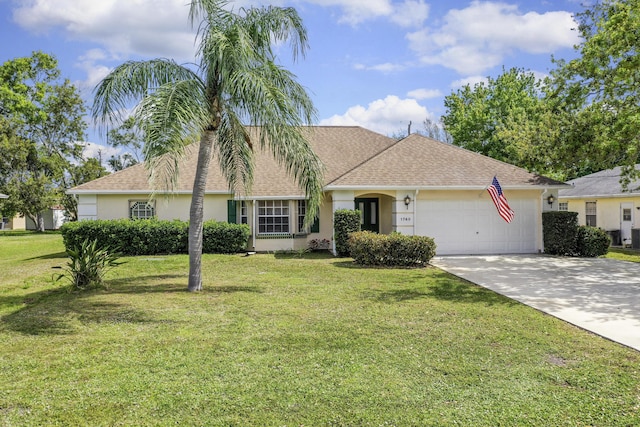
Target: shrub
152,237
394,250
224,238
88,263
592,242
560,230
345,221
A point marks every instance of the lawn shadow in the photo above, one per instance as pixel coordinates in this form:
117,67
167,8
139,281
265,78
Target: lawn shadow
54,311
303,255
444,287
57,255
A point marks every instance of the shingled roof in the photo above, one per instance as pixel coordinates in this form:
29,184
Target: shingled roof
354,157
605,183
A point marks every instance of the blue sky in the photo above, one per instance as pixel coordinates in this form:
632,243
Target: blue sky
375,63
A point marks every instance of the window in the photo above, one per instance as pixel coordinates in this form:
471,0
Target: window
273,216
139,209
563,206
302,212
244,213
590,211
626,214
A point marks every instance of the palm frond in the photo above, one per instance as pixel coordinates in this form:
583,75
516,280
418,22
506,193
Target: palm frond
131,81
171,117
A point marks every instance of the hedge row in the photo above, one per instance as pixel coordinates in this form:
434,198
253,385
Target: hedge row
152,237
563,236
393,250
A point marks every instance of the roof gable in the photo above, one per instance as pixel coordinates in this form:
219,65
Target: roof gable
419,161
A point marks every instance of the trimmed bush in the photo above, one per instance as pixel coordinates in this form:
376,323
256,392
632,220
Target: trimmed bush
393,250
560,231
153,237
345,221
224,238
592,242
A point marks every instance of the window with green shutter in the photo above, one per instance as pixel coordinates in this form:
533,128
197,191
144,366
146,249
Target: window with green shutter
232,215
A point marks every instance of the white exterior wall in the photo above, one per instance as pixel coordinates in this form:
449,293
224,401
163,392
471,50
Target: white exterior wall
607,211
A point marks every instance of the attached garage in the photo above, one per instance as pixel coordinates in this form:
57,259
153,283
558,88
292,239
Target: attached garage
466,222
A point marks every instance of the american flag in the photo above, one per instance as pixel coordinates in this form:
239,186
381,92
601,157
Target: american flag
500,201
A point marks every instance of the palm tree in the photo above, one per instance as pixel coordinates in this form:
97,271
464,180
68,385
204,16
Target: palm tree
236,83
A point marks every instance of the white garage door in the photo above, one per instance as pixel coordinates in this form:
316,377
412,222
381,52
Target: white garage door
473,226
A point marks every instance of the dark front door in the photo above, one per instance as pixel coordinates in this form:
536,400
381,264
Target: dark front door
369,218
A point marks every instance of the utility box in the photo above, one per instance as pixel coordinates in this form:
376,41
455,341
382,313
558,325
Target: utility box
635,238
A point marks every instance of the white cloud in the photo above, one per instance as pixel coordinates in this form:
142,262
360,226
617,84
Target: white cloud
409,13
424,93
476,38
95,72
145,27
387,67
386,116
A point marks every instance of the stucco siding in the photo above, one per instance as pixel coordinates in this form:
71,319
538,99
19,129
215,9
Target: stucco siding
607,211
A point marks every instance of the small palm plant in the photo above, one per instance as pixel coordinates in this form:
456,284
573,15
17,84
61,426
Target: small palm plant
88,263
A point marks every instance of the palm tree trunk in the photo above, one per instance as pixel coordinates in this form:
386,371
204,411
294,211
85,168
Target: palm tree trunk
196,213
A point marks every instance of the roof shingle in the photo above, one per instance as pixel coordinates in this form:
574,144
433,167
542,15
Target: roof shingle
353,157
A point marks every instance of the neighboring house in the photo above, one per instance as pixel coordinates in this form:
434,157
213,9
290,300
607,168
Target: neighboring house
415,186
53,219
601,202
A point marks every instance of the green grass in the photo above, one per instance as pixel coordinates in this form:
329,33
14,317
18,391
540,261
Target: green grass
278,340
632,255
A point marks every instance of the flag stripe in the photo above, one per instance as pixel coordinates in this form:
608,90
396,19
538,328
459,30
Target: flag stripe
495,191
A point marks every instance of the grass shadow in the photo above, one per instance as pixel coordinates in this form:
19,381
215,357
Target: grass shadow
58,255
303,255
56,312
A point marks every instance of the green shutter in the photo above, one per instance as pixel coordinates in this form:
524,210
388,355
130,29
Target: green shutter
315,228
232,215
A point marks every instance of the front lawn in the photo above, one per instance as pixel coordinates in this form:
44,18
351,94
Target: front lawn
278,340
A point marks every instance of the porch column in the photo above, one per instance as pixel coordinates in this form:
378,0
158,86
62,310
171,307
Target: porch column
341,200
403,214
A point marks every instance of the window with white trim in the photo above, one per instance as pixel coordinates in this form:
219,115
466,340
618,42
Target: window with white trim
590,213
244,213
141,209
302,211
273,217
563,206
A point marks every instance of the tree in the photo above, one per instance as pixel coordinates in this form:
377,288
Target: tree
436,130
125,136
48,112
500,119
598,93
237,79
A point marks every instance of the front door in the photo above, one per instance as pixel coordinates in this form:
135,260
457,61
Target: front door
626,221
369,220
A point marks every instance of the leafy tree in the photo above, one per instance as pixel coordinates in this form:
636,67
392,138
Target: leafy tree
237,79
23,176
500,119
41,108
597,95
125,136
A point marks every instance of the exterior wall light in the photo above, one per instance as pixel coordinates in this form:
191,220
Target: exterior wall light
551,199
407,201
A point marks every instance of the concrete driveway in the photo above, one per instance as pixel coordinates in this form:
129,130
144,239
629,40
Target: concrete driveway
597,294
